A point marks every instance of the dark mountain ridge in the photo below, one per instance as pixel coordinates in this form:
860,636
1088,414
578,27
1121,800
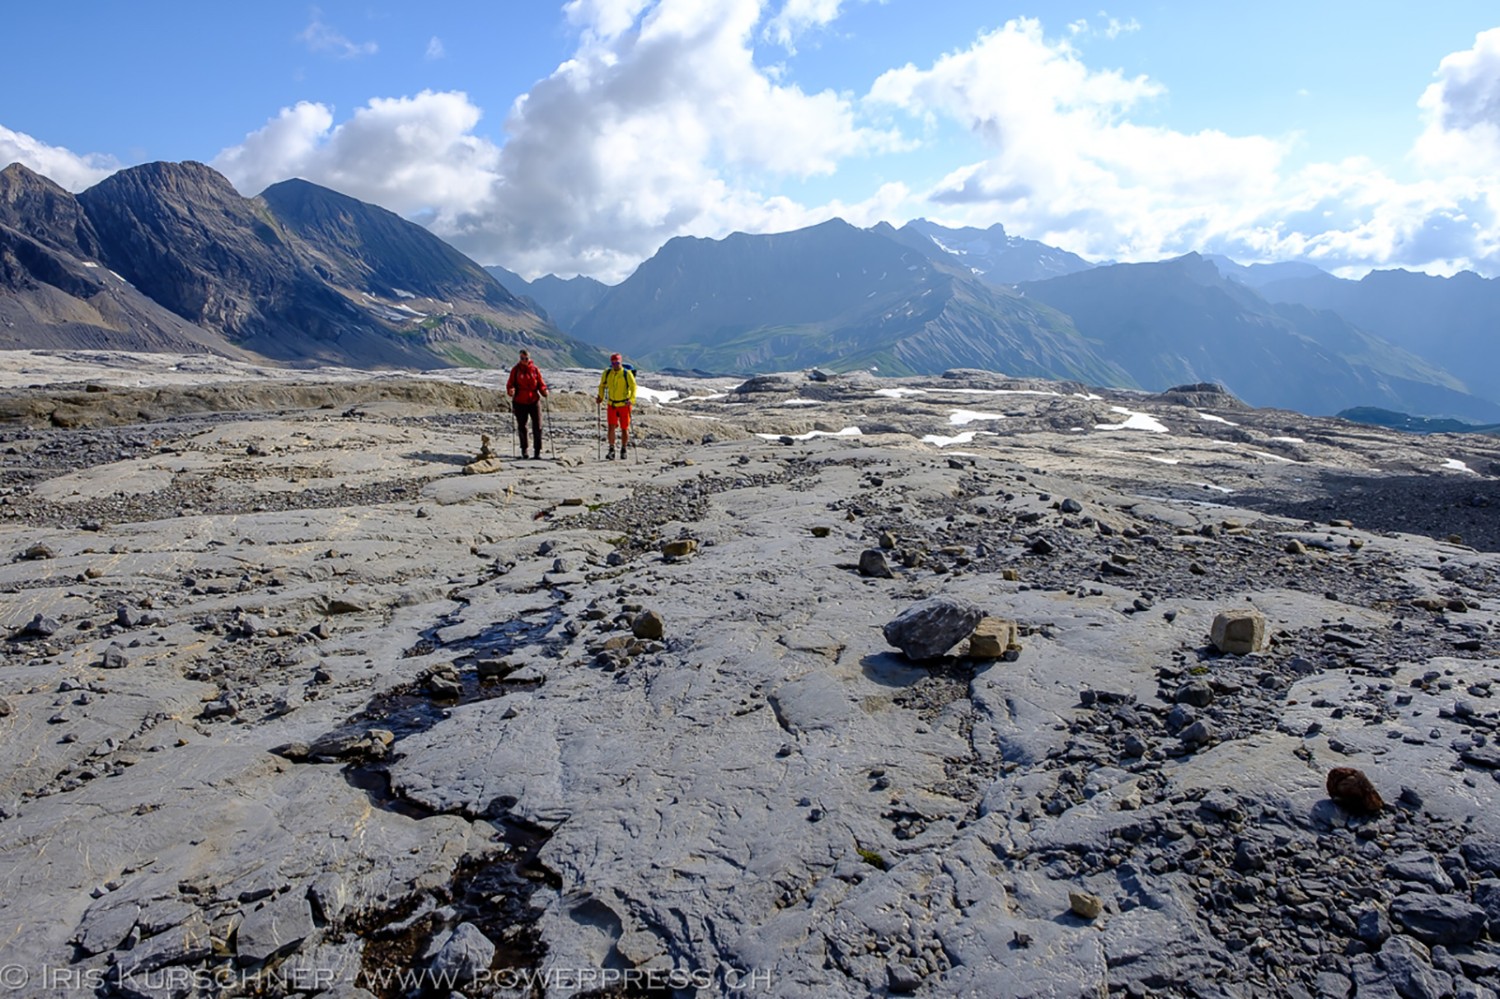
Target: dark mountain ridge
830,295
301,275
1181,320
561,301
1449,321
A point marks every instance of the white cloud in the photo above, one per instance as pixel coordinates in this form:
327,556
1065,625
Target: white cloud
62,166
1065,160
1462,110
799,16
319,36
661,124
1067,164
435,48
416,156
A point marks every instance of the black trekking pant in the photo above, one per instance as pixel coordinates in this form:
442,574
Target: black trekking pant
529,411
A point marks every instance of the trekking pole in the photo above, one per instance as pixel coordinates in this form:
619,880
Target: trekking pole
517,420
551,438
598,433
635,442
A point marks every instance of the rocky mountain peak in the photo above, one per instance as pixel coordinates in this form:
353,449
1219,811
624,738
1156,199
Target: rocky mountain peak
39,208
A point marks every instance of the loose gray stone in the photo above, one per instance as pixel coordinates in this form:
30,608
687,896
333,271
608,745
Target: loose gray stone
1420,867
1373,926
465,955
928,629
1487,897
278,925
1332,985
1199,733
1482,855
106,925
902,981
872,563
1198,693
114,658
40,626
1438,919
1409,971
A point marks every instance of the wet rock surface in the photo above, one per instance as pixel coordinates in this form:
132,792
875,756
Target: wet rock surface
290,705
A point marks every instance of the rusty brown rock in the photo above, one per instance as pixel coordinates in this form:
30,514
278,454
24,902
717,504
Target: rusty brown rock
1351,789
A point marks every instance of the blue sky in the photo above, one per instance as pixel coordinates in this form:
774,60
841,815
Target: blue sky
578,137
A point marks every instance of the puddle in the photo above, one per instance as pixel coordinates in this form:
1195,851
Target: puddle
494,890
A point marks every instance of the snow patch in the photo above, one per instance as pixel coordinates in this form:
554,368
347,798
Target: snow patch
959,417
1133,421
846,432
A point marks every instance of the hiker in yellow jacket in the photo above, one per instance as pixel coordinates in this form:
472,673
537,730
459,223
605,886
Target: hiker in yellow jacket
617,387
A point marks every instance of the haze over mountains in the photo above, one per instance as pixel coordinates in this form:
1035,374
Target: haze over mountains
170,257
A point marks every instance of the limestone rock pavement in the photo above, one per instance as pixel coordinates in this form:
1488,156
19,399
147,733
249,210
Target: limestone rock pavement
310,708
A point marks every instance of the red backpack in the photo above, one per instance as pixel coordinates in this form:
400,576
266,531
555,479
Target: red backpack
527,381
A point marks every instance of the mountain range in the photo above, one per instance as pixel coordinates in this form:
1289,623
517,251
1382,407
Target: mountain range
169,257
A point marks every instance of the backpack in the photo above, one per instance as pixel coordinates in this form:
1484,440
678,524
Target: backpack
527,383
629,370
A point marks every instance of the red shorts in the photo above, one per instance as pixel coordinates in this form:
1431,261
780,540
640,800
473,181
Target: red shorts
619,416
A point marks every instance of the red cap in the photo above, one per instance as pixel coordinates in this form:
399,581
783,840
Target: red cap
614,357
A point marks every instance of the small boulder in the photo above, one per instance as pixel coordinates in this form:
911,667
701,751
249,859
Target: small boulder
464,956
681,548
1239,632
991,638
1438,919
1085,905
930,628
1199,733
648,625
1198,693
483,466
1352,790
872,563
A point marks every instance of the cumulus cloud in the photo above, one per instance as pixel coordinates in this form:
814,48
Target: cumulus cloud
319,36
1462,110
799,16
662,123
416,156
1066,163
1065,160
62,166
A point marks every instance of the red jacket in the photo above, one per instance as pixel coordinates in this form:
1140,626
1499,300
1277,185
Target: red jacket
526,381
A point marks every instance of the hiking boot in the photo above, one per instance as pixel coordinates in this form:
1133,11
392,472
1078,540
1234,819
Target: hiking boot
622,450
524,456
610,456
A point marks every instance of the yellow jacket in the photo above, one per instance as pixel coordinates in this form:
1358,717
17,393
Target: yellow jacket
617,387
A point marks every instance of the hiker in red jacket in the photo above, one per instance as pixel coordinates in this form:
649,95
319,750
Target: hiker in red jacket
526,388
